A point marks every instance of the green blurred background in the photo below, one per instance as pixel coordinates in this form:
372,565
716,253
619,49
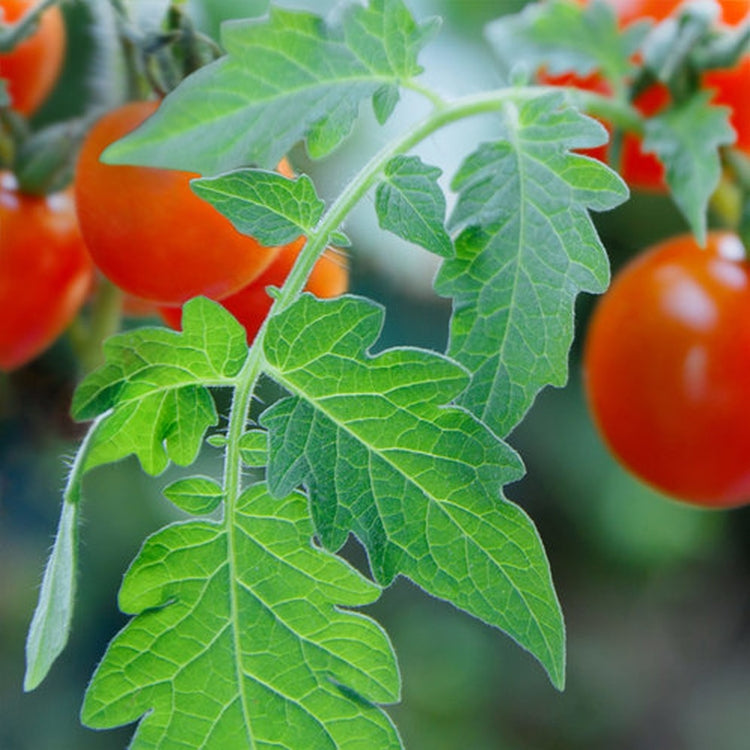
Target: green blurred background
656,594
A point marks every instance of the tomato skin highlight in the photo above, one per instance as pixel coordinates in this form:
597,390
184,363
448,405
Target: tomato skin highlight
149,233
32,67
251,305
45,271
667,369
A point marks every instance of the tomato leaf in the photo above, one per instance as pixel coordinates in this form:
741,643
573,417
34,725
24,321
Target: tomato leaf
266,205
686,138
195,495
526,248
419,482
290,77
564,36
254,448
240,640
411,204
155,383
53,616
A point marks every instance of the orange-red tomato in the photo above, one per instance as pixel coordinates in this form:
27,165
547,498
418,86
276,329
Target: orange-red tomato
32,67
45,271
667,369
329,278
149,233
643,170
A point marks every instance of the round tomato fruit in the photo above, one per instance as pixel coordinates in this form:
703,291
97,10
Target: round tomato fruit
149,233
329,278
45,271
32,67
667,369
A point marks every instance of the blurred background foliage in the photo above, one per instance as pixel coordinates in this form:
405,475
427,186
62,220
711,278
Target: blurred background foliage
656,594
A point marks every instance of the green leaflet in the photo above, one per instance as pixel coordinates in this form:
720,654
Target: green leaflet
411,204
288,78
418,481
686,138
266,205
526,249
154,384
238,640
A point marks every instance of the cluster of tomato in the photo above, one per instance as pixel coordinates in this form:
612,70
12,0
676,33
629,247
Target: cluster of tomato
667,353
142,228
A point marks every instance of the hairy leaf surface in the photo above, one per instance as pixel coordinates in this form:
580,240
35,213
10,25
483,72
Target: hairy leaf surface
526,249
154,384
418,481
290,77
239,640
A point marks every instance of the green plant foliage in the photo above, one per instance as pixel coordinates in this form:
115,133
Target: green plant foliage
195,495
238,640
155,383
50,625
417,481
254,448
686,138
289,78
242,633
565,36
528,246
266,205
411,204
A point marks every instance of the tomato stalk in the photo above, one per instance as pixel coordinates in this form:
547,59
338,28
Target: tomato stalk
87,337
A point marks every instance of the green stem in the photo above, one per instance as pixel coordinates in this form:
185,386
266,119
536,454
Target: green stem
87,337
241,401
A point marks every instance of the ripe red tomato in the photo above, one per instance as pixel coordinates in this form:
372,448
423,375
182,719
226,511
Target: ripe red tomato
251,305
32,67
667,369
45,271
643,170
149,233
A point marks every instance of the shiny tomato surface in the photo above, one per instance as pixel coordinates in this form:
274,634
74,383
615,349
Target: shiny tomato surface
32,67
667,369
149,233
251,305
45,271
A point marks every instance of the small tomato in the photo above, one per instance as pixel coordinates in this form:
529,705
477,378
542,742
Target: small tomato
31,69
45,271
666,364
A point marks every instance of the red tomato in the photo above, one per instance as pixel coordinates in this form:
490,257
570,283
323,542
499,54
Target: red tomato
149,233
32,67
667,369
251,305
45,271
643,170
